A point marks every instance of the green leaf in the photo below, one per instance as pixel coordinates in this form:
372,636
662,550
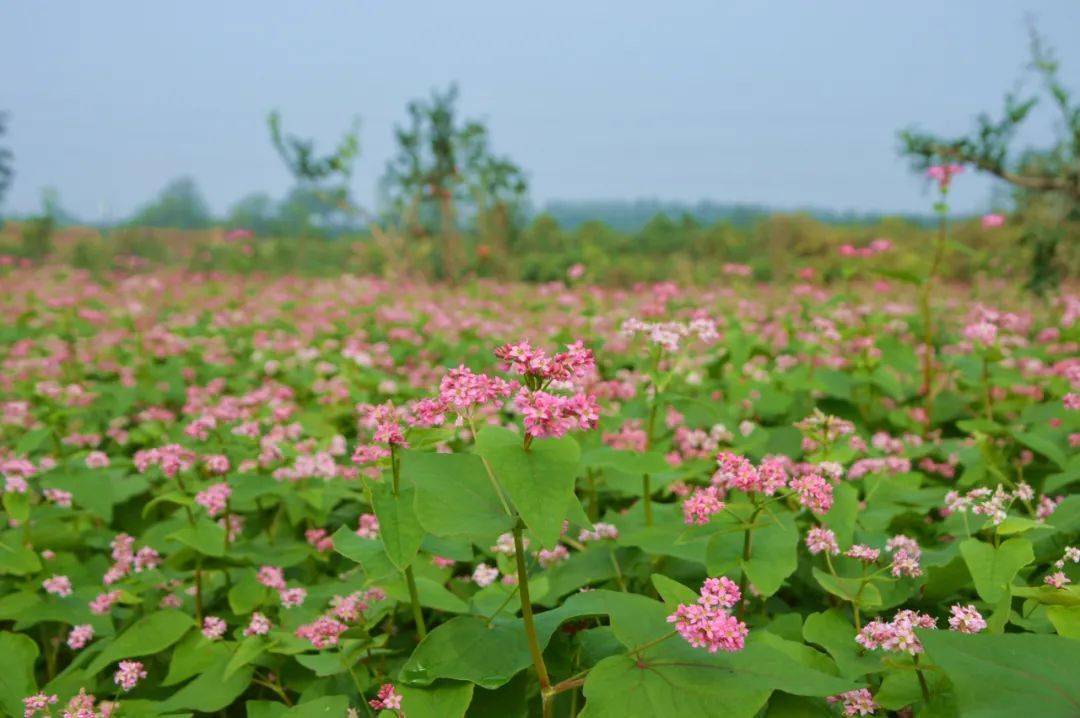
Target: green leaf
773,552
399,530
151,634
204,536
628,462
445,699
617,687
324,707
246,595
17,506
17,559
673,679
17,678
832,631
211,691
246,652
192,656
369,553
454,495
1010,674
849,588
1065,619
993,569
1042,445
672,591
539,481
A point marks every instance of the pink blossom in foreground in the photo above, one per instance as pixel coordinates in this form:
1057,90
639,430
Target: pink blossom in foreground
858,702
991,221
388,699
213,627
966,619
128,674
821,540
369,526
104,602
57,586
1058,579
814,492
702,505
897,634
79,636
707,623
863,552
323,632
37,703
259,625
214,499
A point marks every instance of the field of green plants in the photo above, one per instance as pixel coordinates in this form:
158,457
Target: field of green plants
245,495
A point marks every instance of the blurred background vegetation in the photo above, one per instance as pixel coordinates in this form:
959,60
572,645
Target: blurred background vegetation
451,208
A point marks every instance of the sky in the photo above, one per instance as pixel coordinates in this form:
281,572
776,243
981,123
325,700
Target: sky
790,104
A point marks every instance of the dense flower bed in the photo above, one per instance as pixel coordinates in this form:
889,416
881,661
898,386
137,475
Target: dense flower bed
287,497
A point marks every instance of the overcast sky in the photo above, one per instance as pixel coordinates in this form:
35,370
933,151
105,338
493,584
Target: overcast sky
786,103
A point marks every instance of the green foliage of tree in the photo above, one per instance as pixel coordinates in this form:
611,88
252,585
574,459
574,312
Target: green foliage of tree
179,205
445,171
320,204
1045,181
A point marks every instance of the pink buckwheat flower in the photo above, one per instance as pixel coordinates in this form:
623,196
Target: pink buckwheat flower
1058,579
97,460
707,623
820,539
484,575
369,526
292,597
104,603
966,619
271,577
213,627
129,674
323,632
701,506
259,625
858,702
214,499
37,703
943,174
79,636
992,221
814,492
388,699
57,586
863,552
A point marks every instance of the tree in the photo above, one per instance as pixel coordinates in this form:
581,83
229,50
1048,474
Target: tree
6,173
321,196
444,165
1045,182
179,205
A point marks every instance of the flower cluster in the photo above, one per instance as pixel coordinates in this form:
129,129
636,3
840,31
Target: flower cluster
897,634
707,623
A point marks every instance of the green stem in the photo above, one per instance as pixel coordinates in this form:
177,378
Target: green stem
414,598
922,681
410,580
988,397
646,494
527,617
744,579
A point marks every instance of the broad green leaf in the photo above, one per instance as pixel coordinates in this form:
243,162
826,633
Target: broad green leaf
148,635
832,631
17,679
17,559
444,699
454,495
204,536
1043,445
1008,675
672,591
369,553
539,481
993,569
628,462
866,594
773,552
211,691
399,530
192,656
1066,620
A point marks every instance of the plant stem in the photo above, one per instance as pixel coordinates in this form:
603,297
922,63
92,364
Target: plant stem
988,398
414,598
744,580
527,617
922,681
925,309
646,493
410,580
